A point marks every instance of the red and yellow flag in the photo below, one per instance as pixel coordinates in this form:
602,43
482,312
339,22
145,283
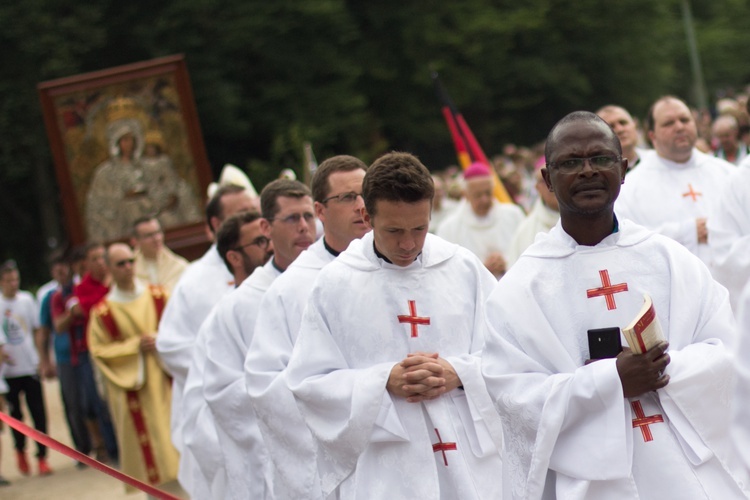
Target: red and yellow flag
467,147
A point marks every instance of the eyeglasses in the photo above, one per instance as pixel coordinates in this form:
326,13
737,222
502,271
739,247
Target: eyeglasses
575,165
294,219
124,262
345,198
261,242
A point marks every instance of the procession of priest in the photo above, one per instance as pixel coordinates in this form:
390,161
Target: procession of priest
387,332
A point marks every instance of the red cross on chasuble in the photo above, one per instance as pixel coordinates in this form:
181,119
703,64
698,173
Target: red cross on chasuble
413,319
443,447
642,421
608,290
693,194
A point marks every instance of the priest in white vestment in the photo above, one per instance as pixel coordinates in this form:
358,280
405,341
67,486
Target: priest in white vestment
337,190
633,426
729,227
541,219
243,245
386,371
154,262
200,287
741,396
673,188
289,220
482,224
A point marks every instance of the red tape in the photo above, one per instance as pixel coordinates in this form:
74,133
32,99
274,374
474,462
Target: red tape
76,455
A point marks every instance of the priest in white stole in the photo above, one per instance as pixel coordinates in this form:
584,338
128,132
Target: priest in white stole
289,220
729,226
672,189
627,427
337,191
243,246
121,336
386,368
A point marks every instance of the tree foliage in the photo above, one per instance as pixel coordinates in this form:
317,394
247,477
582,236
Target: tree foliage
349,76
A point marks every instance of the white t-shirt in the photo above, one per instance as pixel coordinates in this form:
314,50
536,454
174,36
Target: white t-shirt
20,317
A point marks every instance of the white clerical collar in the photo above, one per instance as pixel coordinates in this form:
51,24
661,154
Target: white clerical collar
116,294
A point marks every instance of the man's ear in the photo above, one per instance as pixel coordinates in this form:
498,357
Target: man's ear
366,217
651,136
265,227
134,243
215,223
234,258
546,177
624,167
320,211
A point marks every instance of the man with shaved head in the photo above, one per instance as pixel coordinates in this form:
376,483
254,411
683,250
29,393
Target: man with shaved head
672,190
623,425
122,342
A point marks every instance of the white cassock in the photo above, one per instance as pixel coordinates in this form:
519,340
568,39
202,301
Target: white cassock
482,235
364,316
741,396
200,441
667,197
568,423
540,220
287,438
244,454
200,287
729,234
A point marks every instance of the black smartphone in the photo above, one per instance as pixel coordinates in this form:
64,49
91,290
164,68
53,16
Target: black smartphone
604,343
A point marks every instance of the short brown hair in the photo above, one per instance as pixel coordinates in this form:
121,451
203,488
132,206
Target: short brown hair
7,267
214,207
276,189
650,122
341,163
397,177
228,234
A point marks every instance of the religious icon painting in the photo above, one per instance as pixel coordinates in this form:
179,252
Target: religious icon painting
126,143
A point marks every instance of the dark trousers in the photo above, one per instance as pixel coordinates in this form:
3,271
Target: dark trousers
31,388
82,402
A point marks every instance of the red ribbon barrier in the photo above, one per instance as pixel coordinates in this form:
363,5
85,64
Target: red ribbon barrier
76,455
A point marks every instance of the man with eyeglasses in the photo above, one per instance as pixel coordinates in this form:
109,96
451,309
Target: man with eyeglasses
386,367
199,288
673,189
627,132
122,341
625,425
244,246
337,191
289,220
154,262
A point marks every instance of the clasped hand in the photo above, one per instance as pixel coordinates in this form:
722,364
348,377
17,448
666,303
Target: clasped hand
422,376
642,373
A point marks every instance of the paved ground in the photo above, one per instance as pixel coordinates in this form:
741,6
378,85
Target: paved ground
67,482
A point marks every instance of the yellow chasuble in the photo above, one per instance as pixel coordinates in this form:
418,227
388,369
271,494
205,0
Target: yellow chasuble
138,389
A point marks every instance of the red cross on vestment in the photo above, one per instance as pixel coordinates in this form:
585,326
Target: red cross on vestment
443,447
642,421
607,289
693,194
413,319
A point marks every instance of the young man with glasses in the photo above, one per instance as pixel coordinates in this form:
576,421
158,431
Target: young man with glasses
651,425
386,367
154,262
337,191
245,248
122,342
